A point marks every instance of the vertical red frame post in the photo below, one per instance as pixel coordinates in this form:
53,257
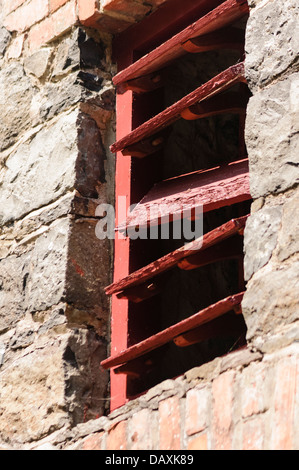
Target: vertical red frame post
120,307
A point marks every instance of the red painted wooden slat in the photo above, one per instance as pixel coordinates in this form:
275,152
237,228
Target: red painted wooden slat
227,38
227,230
224,15
167,335
222,81
207,189
232,325
170,18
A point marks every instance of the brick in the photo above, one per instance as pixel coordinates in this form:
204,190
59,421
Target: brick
284,396
93,442
170,424
87,10
222,390
26,15
53,26
11,5
199,443
196,411
140,435
133,9
91,15
55,4
253,384
253,434
117,439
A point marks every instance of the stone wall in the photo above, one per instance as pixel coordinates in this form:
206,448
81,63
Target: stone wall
57,107
271,237
57,121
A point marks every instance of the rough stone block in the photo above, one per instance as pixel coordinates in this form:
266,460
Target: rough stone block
45,285
5,37
270,300
65,155
12,289
37,63
272,41
272,137
40,170
260,238
51,382
32,395
288,242
16,94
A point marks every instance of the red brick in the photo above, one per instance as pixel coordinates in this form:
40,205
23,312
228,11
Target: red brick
93,442
90,15
140,434
199,443
253,391
88,11
196,411
53,26
26,16
170,424
117,439
55,4
222,389
11,5
132,9
253,434
284,396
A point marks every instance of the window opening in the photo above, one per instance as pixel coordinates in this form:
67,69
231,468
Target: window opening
181,110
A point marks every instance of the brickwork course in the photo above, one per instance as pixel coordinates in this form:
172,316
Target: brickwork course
57,107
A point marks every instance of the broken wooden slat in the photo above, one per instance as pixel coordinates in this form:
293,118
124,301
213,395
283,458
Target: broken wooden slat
163,337
222,16
221,82
230,228
227,38
220,327
205,189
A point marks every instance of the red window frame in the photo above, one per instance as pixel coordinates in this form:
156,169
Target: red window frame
172,17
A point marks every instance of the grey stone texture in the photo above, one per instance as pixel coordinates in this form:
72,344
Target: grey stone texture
40,170
271,299
260,238
5,37
16,94
272,137
271,268
272,41
288,241
54,106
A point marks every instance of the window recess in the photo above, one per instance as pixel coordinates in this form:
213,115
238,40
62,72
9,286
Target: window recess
181,108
